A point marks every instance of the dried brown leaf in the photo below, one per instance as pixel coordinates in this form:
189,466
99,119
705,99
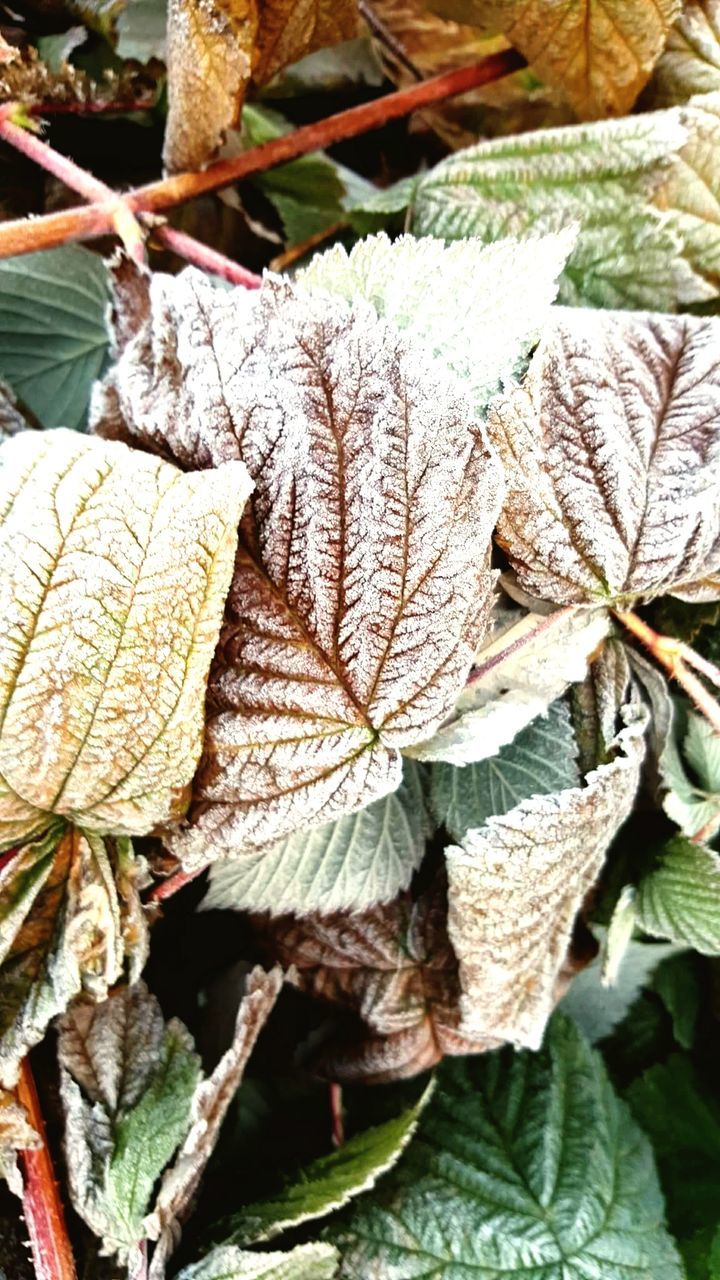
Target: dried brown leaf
516,886
290,29
362,585
599,53
690,63
612,450
16,1134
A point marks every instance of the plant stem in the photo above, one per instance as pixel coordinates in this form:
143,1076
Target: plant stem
90,108
546,621
673,655
201,255
166,888
28,235
51,1251
336,1112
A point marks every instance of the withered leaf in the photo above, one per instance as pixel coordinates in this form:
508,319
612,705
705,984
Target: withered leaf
598,55
290,29
127,1083
690,190
612,451
16,1134
690,63
113,573
361,586
516,885
395,967
63,927
208,1109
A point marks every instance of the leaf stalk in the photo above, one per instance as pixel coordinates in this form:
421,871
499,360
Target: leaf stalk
677,658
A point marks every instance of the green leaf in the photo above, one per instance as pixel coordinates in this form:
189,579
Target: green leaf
680,898
305,1262
141,30
540,760
328,1183
597,1008
678,985
127,1082
525,1166
360,859
602,177
429,289
681,1115
53,338
693,801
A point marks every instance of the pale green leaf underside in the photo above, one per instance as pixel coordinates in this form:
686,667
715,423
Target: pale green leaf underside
53,337
596,1008
599,177
525,1167
693,801
540,760
305,1262
330,1182
358,860
680,899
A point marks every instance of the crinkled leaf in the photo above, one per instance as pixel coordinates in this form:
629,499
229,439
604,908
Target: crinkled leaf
53,338
328,1183
516,885
601,177
114,568
693,778
127,1082
596,1007
208,1108
395,967
304,1262
598,55
290,29
525,666
690,63
65,924
540,760
525,1165
362,585
680,898
691,189
612,451
352,863
16,1134
430,290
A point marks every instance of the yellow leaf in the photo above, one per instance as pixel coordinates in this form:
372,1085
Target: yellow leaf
598,53
290,29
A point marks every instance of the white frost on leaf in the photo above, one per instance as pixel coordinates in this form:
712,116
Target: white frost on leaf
362,584
612,449
516,885
114,568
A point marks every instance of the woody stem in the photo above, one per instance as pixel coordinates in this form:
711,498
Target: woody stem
44,1214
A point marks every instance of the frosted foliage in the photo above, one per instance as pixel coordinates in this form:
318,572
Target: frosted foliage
304,1262
113,572
480,307
516,885
612,448
361,586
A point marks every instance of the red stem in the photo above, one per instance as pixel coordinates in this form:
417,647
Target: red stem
29,235
42,1206
208,259
166,888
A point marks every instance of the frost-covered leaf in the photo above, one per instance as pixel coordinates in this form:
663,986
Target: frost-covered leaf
395,967
208,1108
53,338
690,63
541,759
304,1262
691,189
516,885
480,308
352,863
114,568
524,667
598,55
598,1008
11,419
680,898
601,177
524,1165
127,1082
70,915
16,1134
693,798
612,451
361,586
329,1182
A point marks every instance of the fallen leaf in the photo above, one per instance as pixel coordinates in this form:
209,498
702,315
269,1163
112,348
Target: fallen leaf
516,885
113,573
612,454
362,586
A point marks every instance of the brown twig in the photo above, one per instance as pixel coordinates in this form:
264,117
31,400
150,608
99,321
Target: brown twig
201,255
297,251
336,1114
90,108
29,235
674,655
51,1251
166,888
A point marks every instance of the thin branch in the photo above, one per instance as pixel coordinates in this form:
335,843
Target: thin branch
673,654
297,251
91,108
386,37
28,235
546,621
44,1214
336,1114
166,888
201,255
